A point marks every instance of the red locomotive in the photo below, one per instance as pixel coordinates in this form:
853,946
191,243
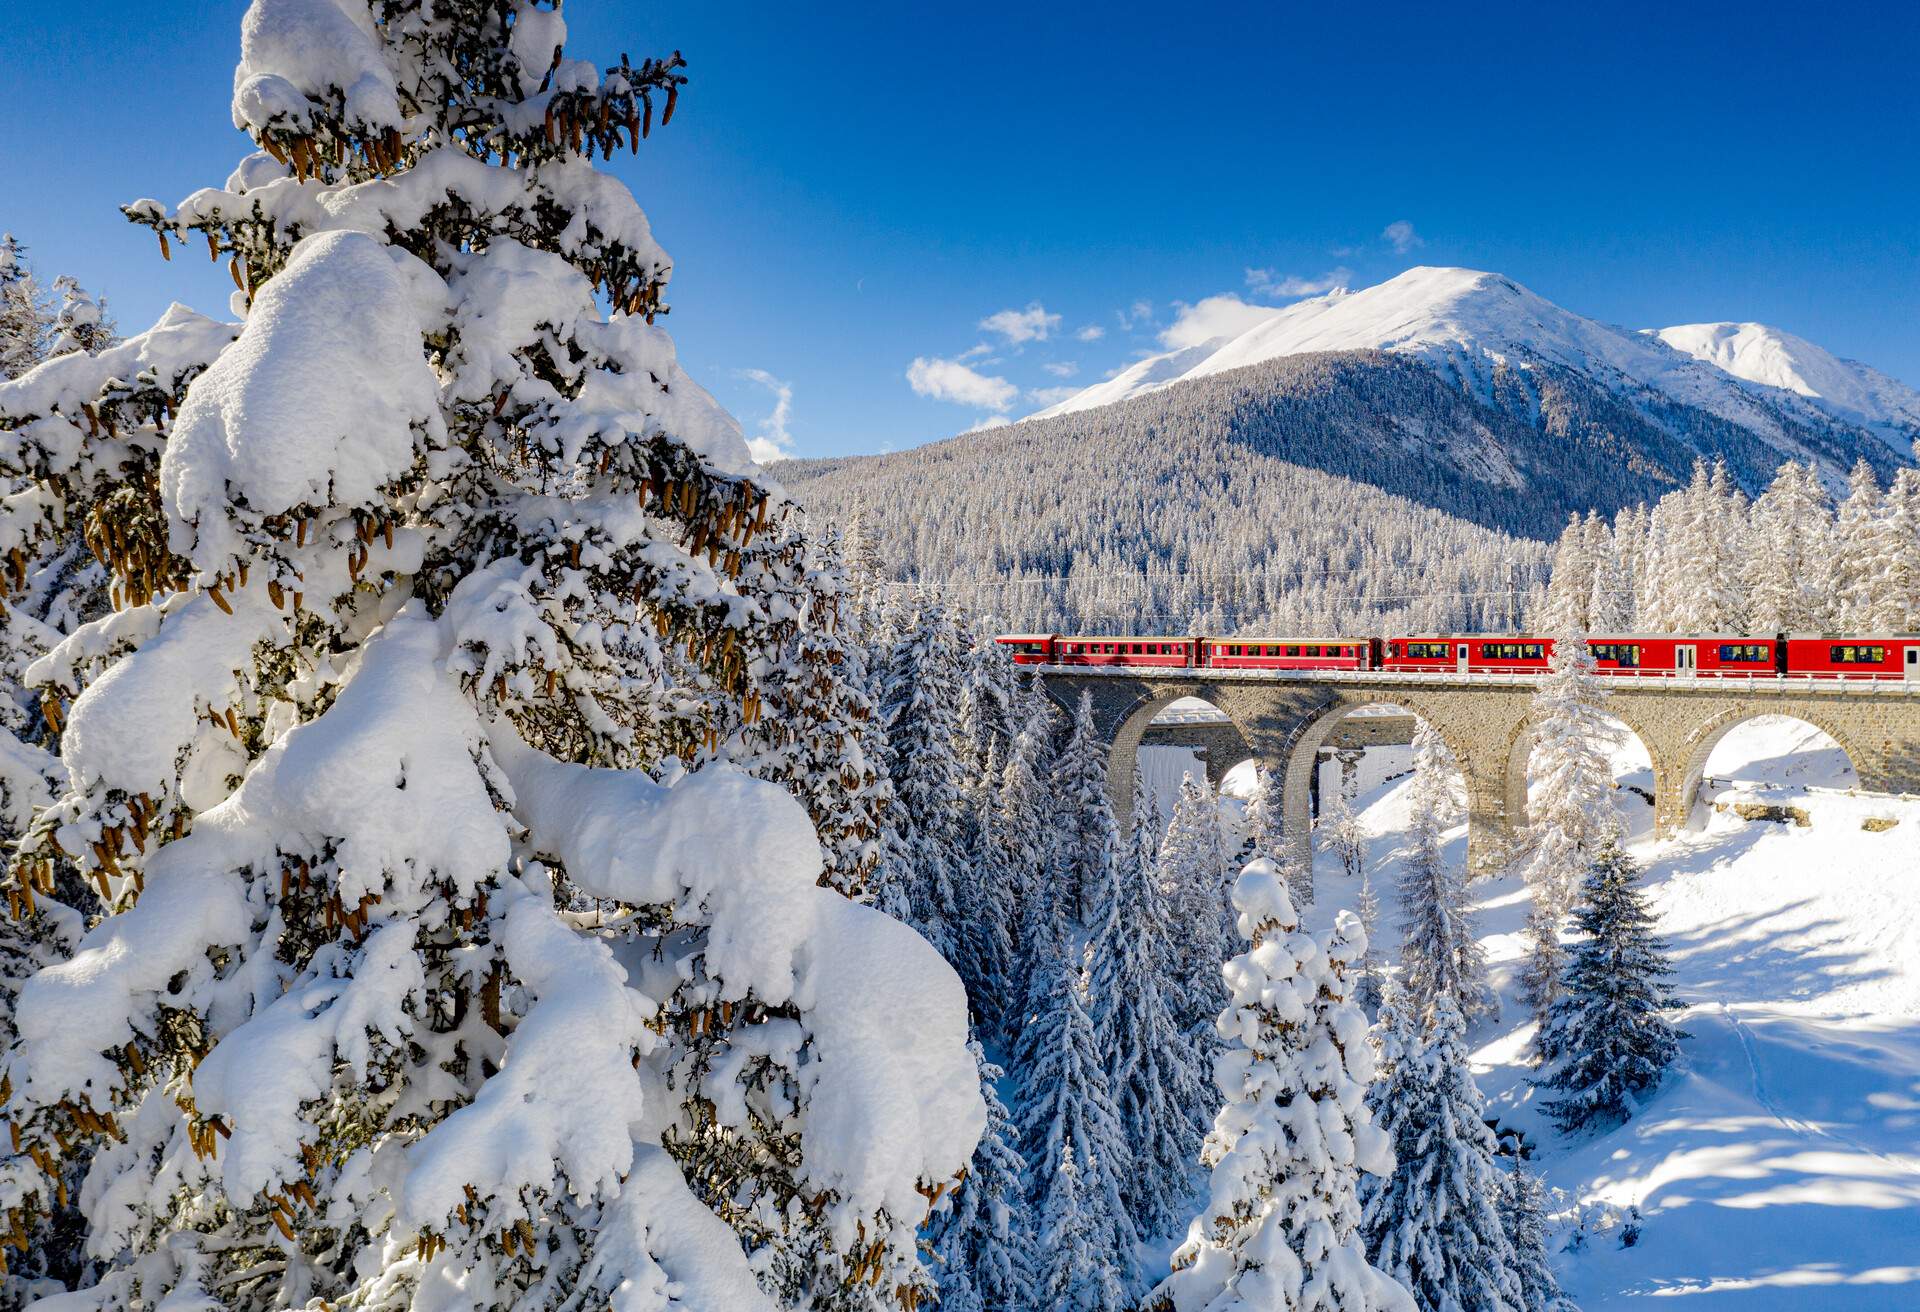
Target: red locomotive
1647,655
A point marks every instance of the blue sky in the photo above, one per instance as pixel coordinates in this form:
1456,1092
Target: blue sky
849,189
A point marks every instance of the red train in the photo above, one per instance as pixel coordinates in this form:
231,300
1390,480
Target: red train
1650,655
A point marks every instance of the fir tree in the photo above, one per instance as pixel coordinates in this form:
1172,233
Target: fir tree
1151,1067
1608,1032
1440,955
26,319
1193,877
1435,1224
1523,1214
382,767
1346,836
1267,834
1088,835
1369,986
1857,558
1570,810
976,1239
923,737
1074,1143
1279,1231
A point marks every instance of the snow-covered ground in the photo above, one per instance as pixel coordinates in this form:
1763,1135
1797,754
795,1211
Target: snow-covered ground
1780,1167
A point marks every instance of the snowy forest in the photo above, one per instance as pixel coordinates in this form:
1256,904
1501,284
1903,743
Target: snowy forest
1706,558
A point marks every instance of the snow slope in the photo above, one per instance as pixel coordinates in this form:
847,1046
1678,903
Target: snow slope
1851,391
1780,1168
1464,322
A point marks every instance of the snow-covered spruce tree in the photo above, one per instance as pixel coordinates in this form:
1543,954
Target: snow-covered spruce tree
1857,556
1789,531
1899,600
1194,880
1608,1032
1266,827
1022,889
1369,982
415,987
1570,585
1345,835
1435,1224
1523,1214
1088,837
923,738
1075,1147
975,1240
1151,1067
1279,1232
1570,816
1440,954
816,729
26,316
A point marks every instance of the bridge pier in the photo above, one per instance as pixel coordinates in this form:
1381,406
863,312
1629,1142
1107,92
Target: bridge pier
1486,722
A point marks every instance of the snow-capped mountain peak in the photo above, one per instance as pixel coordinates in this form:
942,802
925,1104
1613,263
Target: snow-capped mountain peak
1467,322
1773,358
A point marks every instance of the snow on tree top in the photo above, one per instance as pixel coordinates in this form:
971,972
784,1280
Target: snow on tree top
294,53
317,403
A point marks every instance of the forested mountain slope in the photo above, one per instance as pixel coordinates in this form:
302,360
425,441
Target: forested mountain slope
1313,492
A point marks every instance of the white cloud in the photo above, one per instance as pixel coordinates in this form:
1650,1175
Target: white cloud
772,442
1269,282
1062,368
949,380
1050,395
1093,332
1400,235
1225,315
1032,324
1138,313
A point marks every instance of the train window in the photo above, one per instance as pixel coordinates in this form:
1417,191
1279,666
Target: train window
1856,655
1624,654
1512,651
1745,652
1429,651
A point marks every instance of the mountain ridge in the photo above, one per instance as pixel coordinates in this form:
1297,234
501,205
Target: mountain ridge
1467,323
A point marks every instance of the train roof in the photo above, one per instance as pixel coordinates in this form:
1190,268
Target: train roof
1283,639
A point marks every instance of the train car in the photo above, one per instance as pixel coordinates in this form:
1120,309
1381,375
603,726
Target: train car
1688,655
1828,656
1287,653
1158,651
1029,648
1458,654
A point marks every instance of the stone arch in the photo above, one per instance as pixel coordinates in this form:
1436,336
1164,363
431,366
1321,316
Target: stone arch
1520,753
1708,735
1300,755
1130,726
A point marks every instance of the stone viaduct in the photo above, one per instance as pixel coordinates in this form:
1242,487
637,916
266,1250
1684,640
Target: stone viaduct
1486,721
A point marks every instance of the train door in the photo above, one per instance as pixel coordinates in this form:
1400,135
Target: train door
1913,662
1460,658
1684,663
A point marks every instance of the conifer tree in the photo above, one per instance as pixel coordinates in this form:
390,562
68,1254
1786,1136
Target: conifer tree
1074,1144
976,1239
380,770
1790,527
1193,876
1608,1033
1440,955
1149,1061
26,319
1899,602
923,737
1267,834
1021,871
1346,836
1088,835
1857,558
1570,585
1280,1230
1571,816
1434,1224
1369,985
1523,1213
